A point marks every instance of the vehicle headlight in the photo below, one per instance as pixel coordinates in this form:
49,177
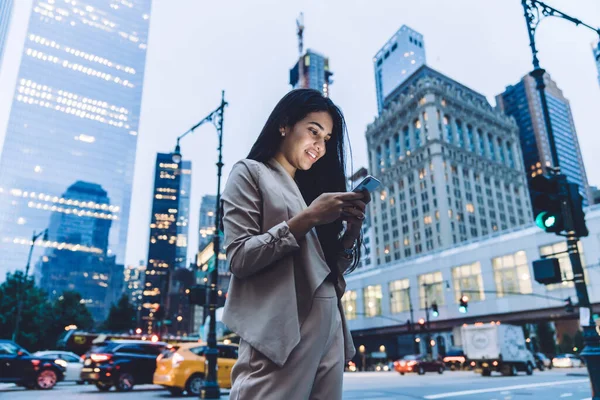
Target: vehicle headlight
61,362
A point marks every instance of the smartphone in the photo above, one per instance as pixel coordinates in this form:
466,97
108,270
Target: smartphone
369,184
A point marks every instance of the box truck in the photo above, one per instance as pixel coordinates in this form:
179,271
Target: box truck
497,347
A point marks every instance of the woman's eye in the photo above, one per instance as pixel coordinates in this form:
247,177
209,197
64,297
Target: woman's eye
314,132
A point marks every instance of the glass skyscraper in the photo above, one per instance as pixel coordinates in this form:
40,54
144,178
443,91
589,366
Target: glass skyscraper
207,221
168,242
402,55
73,125
596,51
312,72
5,14
522,101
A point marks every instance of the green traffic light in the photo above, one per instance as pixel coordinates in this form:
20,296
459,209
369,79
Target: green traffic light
546,221
550,221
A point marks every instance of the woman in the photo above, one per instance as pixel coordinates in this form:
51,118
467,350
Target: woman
287,259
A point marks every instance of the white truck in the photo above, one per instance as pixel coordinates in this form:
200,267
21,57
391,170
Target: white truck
496,347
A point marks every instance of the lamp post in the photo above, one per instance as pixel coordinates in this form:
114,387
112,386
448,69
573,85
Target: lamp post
534,12
210,387
22,281
426,287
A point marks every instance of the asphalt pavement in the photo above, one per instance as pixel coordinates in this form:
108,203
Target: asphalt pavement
570,384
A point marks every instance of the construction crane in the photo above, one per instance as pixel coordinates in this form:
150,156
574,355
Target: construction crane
300,33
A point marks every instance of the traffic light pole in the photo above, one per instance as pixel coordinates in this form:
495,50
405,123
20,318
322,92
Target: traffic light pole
535,11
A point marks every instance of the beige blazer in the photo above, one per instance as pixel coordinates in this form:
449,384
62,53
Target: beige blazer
266,302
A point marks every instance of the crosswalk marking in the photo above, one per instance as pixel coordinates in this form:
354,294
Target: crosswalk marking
501,389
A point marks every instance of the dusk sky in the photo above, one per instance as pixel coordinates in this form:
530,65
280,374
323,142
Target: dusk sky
197,48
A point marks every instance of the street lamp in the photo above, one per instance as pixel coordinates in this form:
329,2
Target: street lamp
210,387
534,12
21,282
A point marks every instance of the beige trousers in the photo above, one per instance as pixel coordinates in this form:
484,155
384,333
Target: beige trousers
314,369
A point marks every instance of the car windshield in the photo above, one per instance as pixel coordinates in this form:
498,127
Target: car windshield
8,348
454,353
413,357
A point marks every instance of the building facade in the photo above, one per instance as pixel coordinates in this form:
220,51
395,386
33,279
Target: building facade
162,286
494,271
398,59
5,14
311,71
74,117
207,220
366,259
450,169
77,254
522,102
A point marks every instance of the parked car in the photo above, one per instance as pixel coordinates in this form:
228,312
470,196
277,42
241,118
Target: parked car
455,359
71,361
419,364
121,363
181,367
541,361
566,361
32,372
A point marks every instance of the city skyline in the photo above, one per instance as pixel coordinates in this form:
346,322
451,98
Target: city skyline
457,45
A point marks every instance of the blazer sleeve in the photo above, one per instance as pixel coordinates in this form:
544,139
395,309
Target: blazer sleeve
248,250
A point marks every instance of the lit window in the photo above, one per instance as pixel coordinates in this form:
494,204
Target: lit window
349,304
372,300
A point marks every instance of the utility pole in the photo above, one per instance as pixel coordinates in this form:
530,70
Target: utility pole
534,12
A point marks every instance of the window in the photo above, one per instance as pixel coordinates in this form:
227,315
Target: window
406,139
468,278
491,147
399,296
417,125
481,143
459,132
448,129
230,352
431,289
565,264
397,145
470,137
199,351
388,154
509,154
511,274
372,300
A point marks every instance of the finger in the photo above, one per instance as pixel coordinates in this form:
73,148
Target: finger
348,196
367,198
354,212
360,204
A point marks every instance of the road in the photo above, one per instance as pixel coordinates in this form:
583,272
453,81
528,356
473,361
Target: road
569,384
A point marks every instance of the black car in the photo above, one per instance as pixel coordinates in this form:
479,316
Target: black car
455,360
20,367
121,363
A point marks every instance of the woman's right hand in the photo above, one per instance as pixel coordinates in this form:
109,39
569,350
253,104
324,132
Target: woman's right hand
328,207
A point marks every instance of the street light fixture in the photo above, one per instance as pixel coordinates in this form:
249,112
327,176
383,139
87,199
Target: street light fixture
21,282
210,387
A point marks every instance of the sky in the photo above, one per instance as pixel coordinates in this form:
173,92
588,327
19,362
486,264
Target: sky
198,48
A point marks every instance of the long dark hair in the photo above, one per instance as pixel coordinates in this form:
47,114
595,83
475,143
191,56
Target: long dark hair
326,175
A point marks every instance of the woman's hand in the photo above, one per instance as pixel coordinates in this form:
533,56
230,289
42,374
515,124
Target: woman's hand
329,207
354,217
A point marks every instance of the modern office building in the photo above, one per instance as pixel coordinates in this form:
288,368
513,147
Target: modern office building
168,240
367,239
311,71
595,193
134,286
522,102
5,18
450,169
207,220
74,118
495,271
596,52
77,255
398,59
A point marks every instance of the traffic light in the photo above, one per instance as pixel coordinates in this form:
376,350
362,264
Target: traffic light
434,310
546,202
464,304
569,305
576,206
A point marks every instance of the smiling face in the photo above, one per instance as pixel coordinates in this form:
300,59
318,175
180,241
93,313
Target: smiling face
304,143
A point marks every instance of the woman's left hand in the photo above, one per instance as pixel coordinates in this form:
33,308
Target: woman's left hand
354,218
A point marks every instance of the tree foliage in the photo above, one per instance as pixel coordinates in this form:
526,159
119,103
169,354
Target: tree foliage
121,318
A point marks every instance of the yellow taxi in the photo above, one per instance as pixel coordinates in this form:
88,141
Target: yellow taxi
181,367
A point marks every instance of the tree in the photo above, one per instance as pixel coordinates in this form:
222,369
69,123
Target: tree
545,336
121,317
69,309
35,319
